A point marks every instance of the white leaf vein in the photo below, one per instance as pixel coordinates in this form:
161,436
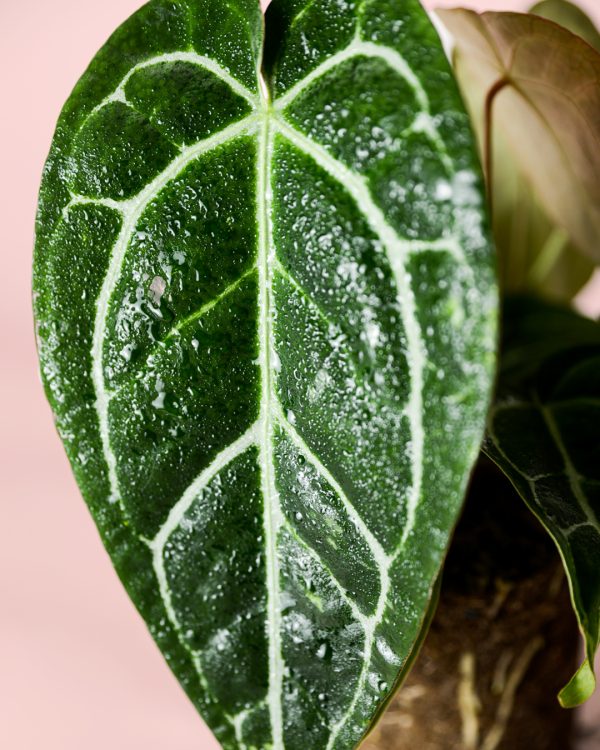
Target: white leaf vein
261,434
181,507
273,516
360,48
375,547
397,250
570,470
312,552
207,63
131,211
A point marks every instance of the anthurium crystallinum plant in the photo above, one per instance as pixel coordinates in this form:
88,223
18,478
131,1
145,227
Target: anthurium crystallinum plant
266,303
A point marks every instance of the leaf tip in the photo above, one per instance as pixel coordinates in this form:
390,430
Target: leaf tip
579,688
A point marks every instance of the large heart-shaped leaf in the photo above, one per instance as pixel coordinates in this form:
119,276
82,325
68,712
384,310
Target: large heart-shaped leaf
543,434
266,319
533,90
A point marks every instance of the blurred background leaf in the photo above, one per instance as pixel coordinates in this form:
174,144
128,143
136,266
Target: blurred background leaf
543,434
571,17
533,91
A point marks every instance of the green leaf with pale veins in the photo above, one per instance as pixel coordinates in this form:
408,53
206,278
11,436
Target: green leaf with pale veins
266,320
543,433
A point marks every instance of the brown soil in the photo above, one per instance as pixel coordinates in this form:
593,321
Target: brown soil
503,641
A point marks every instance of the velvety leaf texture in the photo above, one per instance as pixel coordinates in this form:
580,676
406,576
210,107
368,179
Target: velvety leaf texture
543,433
266,321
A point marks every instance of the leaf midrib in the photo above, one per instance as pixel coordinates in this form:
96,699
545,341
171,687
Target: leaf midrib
272,508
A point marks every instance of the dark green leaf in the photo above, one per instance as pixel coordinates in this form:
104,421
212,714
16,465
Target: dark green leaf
543,433
264,329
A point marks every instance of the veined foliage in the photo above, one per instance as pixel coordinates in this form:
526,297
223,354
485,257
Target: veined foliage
543,435
266,307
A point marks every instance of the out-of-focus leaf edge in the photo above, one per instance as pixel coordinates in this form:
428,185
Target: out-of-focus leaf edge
582,685
408,664
569,16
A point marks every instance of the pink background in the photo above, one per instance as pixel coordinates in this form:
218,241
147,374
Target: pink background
77,667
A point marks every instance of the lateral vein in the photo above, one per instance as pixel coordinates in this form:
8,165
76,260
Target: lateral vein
379,554
221,460
176,514
211,303
132,211
358,615
118,95
570,470
397,251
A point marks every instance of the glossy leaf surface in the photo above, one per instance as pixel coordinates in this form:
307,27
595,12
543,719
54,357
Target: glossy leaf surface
543,434
266,322
533,90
